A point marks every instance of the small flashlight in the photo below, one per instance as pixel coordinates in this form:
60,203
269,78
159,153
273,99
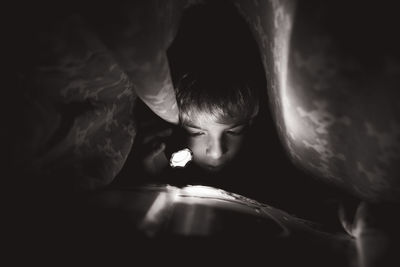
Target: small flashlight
181,158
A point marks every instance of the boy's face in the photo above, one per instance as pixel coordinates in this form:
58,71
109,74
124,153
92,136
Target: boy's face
214,145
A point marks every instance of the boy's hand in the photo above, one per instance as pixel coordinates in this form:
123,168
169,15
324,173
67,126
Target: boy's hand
154,159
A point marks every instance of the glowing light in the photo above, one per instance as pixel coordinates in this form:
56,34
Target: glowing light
181,158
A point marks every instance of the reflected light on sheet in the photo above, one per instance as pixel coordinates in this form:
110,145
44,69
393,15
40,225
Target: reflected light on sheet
204,191
163,206
290,117
153,214
157,212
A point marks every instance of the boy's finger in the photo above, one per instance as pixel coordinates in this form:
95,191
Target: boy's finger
158,134
345,221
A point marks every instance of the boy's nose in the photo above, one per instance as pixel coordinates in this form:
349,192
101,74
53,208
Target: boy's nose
215,149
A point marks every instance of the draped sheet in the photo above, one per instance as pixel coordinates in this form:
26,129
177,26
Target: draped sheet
77,88
337,116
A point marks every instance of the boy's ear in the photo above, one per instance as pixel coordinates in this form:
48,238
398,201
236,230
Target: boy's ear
255,112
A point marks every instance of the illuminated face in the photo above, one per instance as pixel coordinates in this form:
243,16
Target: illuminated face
214,145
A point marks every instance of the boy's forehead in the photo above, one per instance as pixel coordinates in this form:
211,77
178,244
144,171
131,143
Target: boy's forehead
204,119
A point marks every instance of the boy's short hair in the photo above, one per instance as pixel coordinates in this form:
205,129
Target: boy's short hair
215,65
226,98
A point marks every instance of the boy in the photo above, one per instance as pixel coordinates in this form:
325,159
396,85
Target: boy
216,111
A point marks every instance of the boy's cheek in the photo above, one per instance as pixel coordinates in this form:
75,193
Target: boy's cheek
235,145
195,146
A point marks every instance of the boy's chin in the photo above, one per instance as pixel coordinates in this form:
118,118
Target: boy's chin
213,169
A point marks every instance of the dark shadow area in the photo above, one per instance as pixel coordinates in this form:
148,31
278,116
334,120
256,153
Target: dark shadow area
50,222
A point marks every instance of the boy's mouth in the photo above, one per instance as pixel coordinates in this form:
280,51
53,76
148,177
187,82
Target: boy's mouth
214,167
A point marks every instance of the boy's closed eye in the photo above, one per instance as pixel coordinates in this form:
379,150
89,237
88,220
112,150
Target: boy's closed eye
238,130
235,130
234,133
195,133
194,130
